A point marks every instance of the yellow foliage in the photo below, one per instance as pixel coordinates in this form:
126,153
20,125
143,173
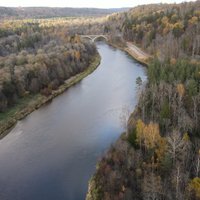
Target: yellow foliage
186,137
178,25
180,89
194,186
148,134
165,20
168,28
140,131
151,135
174,17
161,149
193,20
149,26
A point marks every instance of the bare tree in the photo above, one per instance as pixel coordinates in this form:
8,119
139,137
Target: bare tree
176,145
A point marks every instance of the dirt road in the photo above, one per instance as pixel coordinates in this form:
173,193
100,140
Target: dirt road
138,53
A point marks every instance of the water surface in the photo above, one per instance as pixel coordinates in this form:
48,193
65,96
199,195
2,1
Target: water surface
51,154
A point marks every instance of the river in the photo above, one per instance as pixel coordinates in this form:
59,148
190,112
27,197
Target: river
52,153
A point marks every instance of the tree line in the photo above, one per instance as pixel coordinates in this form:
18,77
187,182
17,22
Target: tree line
158,157
36,59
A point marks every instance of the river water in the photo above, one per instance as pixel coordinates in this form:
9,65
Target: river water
51,154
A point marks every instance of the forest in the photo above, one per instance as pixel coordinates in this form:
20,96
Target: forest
36,59
176,25
158,157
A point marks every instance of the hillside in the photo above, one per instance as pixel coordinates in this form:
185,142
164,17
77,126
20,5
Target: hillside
164,30
48,12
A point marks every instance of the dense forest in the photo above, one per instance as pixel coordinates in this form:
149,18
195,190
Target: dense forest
34,59
163,30
177,25
158,157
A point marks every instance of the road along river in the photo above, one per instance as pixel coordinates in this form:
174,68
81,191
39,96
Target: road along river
52,153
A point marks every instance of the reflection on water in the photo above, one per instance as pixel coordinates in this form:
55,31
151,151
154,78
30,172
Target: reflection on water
51,154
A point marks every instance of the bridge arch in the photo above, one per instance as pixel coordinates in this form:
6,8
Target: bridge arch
99,36
93,38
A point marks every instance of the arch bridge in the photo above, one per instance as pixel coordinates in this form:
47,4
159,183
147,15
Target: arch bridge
94,37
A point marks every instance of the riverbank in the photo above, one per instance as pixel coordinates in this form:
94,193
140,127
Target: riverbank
109,169
117,174
31,103
138,54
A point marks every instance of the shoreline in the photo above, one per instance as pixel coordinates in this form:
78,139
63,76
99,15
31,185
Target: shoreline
38,100
94,189
7,124
131,53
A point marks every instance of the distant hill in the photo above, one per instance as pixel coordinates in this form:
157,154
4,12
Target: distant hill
48,12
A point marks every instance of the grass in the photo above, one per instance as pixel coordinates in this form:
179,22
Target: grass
19,105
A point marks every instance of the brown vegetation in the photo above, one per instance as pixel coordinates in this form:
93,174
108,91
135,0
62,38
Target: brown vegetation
35,59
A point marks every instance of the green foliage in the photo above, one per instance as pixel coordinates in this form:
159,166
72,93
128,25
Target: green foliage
8,89
181,71
154,72
166,164
132,139
3,32
165,110
192,87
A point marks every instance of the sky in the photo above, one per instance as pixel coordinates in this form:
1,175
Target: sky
82,3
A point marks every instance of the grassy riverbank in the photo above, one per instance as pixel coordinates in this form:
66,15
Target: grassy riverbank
32,102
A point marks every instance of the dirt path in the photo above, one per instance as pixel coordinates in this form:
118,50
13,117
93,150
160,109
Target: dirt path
137,52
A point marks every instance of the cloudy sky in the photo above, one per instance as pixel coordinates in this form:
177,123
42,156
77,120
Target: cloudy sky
82,3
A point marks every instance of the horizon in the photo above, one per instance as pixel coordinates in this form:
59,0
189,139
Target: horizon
85,4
